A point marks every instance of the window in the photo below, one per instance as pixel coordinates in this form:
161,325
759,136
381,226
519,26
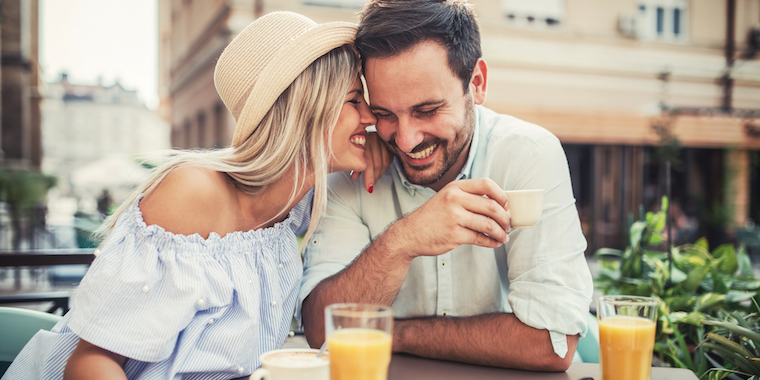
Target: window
662,20
534,12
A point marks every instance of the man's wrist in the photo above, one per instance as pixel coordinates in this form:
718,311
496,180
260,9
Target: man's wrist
395,244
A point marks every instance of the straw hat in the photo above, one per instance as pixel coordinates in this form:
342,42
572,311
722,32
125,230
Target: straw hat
264,59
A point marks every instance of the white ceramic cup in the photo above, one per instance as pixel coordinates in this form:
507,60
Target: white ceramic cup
293,364
525,207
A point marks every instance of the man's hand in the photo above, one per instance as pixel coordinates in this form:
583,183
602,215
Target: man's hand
379,158
469,211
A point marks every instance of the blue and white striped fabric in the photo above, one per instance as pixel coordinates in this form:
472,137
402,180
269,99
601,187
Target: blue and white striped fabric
179,307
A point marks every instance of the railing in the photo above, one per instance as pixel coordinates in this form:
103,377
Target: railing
41,258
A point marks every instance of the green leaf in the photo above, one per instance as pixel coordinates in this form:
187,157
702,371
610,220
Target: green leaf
726,259
733,357
695,277
660,219
637,229
720,374
682,346
717,281
702,243
608,252
709,299
727,344
744,263
677,276
735,329
736,296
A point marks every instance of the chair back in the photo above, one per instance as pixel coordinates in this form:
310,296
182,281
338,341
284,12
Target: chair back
588,346
17,327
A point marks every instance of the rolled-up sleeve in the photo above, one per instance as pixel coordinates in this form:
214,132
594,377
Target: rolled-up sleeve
329,253
550,282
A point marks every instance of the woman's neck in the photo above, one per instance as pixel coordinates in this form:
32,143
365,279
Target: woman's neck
273,204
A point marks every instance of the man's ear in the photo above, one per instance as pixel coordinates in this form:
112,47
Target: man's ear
478,81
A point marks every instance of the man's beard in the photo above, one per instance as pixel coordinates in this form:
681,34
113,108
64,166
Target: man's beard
450,151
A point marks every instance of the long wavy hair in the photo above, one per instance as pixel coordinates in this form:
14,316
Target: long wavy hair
295,133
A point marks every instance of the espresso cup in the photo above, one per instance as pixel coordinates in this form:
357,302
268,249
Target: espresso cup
525,207
293,364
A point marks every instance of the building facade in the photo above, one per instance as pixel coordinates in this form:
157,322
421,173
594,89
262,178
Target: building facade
20,81
85,123
627,85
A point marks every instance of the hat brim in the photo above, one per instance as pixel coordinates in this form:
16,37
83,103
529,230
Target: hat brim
283,69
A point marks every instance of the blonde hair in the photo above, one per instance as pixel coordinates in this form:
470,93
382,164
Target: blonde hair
295,133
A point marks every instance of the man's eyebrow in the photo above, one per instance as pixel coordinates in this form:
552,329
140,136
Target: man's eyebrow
356,90
437,102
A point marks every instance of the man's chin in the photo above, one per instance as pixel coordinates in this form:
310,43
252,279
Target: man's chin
423,177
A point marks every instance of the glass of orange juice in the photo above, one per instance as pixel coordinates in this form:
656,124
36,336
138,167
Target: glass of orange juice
627,326
359,340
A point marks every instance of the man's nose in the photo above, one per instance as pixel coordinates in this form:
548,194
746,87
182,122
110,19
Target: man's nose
408,134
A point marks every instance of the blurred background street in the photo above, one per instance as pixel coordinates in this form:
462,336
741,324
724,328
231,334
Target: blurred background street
650,98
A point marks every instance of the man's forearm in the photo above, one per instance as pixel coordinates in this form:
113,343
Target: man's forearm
499,340
374,277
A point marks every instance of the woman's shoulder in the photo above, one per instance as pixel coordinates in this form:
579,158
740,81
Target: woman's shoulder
189,200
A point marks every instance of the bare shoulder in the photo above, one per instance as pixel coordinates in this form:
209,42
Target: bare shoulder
190,200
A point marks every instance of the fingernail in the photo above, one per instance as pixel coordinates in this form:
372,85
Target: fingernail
370,188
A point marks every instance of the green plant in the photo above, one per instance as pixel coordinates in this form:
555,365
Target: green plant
691,283
733,346
23,190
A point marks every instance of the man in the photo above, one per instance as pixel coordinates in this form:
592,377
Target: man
433,239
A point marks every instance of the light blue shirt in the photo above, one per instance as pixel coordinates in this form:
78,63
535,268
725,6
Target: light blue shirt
179,307
540,275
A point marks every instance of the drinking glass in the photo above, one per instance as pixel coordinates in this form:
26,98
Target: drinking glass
627,327
359,340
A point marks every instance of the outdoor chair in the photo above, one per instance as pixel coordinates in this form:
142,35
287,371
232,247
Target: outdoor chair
17,326
588,346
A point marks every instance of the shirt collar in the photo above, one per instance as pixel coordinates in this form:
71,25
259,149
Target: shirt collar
466,169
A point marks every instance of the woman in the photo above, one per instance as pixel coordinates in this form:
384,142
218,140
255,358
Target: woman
199,270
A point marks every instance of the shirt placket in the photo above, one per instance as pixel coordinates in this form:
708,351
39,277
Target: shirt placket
445,298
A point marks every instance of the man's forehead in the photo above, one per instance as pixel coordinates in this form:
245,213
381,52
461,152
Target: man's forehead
417,76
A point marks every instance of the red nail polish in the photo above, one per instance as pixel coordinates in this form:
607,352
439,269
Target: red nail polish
370,188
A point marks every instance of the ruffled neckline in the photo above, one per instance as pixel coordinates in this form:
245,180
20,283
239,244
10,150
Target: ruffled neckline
254,235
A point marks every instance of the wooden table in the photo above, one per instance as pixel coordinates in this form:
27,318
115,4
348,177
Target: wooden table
405,367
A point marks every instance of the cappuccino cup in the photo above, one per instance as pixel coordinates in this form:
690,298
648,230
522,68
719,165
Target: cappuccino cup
293,364
525,207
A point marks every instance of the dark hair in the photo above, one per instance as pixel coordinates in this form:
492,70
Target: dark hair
389,27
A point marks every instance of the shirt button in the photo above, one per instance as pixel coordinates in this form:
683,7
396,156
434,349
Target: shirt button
315,241
250,281
280,266
145,289
240,370
443,263
210,321
96,253
274,303
445,313
200,302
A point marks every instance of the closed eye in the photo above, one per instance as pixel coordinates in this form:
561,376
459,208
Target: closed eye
430,112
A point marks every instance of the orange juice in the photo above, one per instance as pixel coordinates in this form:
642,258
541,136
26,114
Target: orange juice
625,347
359,354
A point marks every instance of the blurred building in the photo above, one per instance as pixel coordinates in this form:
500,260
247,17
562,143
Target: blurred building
91,126
20,79
626,85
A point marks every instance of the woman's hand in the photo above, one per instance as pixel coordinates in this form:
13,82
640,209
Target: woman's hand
378,157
